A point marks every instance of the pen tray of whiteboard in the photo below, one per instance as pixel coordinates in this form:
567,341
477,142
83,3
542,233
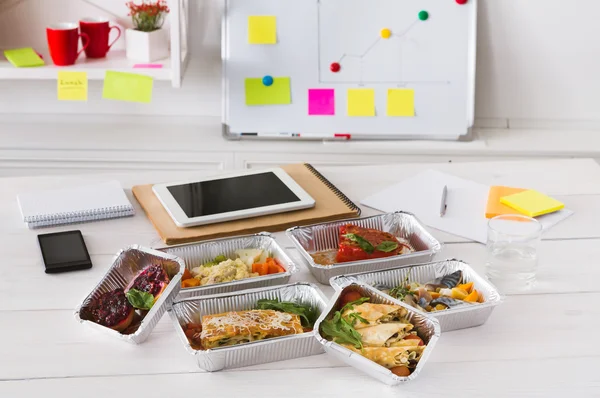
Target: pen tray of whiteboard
325,236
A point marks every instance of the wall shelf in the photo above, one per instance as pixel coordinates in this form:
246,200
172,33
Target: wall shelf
116,60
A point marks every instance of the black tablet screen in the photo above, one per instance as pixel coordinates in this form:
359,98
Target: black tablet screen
231,194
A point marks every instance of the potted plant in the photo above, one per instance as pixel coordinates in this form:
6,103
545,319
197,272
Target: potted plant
147,41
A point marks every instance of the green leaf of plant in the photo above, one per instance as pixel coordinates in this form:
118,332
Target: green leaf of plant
351,304
341,331
308,315
361,242
387,246
139,299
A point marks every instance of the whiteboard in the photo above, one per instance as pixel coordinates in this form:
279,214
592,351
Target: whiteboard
434,57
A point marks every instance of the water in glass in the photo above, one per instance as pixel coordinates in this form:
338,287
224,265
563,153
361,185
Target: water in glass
512,252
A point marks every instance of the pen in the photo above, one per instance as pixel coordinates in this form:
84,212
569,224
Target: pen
444,205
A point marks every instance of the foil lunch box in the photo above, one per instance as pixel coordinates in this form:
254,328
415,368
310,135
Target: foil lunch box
461,317
257,352
427,327
325,237
126,265
196,254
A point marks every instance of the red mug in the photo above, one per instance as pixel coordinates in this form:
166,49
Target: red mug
98,30
63,43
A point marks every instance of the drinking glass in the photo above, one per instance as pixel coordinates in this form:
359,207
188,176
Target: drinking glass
512,245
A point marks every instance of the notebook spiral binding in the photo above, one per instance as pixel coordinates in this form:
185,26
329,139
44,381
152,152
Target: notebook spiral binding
335,189
92,214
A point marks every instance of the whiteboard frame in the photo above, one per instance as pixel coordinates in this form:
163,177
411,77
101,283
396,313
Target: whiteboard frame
285,136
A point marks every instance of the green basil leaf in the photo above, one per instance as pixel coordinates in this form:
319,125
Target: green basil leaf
308,315
139,299
387,246
341,331
361,242
351,304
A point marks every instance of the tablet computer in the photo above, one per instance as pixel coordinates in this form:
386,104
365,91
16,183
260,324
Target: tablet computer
232,196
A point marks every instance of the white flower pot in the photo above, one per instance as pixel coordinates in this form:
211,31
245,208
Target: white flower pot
147,46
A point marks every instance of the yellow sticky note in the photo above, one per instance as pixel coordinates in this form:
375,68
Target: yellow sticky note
532,203
131,87
401,102
278,93
361,102
72,86
262,29
23,57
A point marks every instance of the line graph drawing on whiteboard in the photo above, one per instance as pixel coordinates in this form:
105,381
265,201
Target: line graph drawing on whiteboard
396,56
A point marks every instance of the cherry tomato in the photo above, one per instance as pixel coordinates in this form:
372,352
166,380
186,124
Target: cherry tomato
414,337
401,371
349,297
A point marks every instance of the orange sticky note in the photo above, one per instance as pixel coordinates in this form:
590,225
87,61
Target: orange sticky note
494,207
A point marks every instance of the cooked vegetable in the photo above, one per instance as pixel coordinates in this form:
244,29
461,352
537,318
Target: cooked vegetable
414,337
186,274
139,299
260,268
349,297
308,315
192,282
401,371
340,330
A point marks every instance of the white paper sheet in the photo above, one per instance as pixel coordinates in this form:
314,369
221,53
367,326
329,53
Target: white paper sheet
466,202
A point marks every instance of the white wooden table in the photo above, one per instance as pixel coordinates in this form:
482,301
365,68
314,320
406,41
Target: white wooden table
537,344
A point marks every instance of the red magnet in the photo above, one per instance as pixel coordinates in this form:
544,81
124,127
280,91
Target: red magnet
335,67
461,2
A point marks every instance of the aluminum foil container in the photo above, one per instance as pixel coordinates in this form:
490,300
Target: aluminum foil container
196,254
427,327
322,237
257,352
450,319
125,267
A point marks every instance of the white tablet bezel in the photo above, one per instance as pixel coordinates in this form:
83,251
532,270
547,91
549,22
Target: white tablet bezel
182,220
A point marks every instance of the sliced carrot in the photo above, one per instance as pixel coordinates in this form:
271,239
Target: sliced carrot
260,268
190,283
186,275
480,298
472,297
466,286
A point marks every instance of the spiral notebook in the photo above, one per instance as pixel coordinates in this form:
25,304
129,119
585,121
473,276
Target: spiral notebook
331,204
74,205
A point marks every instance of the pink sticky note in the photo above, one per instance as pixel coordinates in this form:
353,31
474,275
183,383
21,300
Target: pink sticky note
321,101
150,66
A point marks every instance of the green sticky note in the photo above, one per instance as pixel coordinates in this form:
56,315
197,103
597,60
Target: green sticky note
361,102
23,57
401,102
262,29
129,87
279,93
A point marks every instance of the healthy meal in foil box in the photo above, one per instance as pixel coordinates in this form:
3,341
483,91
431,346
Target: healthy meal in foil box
439,294
268,319
123,309
358,243
247,263
379,332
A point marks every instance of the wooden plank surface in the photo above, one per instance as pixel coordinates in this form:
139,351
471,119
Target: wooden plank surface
534,344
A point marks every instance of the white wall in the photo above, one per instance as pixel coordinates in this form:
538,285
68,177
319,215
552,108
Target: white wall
538,61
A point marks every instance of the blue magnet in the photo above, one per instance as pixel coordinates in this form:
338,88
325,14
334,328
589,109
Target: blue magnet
268,80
